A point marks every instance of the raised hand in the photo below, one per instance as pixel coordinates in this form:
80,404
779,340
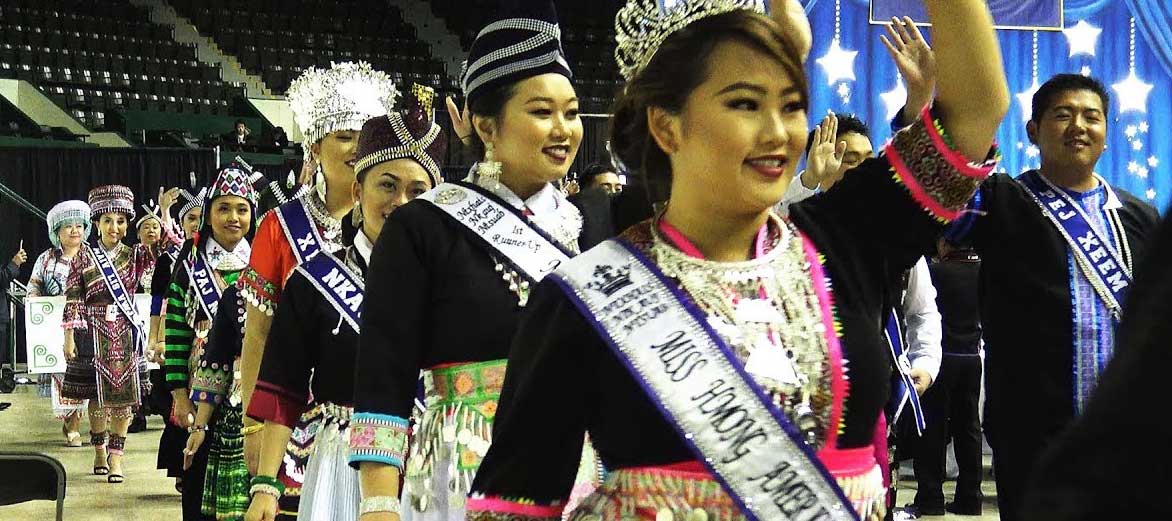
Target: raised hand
825,158
461,121
167,199
915,60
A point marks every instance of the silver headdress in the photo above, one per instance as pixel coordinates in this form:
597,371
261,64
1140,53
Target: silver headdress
69,212
642,26
342,97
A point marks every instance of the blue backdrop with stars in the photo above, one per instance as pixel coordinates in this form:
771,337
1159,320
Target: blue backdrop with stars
1139,148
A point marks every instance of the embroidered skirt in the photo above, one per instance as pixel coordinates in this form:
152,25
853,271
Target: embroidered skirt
686,491
81,381
292,472
225,492
331,488
62,407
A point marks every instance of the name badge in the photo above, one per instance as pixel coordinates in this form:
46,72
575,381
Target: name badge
769,362
111,313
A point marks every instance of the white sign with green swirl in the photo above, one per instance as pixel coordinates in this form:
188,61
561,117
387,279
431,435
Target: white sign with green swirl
44,338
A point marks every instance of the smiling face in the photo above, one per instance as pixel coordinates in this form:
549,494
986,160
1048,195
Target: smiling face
231,218
1071,133
734,146
112,227
537,134
385,187
336,155
70,235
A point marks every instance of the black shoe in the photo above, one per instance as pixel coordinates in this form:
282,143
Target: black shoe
138,425
920,510
964,507
5,405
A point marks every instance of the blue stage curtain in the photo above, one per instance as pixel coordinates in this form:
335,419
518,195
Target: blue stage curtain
1154,20
876,74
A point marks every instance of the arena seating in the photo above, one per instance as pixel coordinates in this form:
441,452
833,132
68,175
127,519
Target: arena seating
277,39
587,38
93,57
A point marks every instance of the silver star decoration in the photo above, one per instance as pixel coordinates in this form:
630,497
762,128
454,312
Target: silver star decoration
894,99
1082,38
1132,93
1151,193
1025,100
838,63
1153,162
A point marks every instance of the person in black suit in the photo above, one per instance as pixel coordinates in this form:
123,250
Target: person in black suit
9,273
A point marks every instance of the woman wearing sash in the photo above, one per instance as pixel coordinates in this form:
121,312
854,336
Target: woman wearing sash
330,107
174,436
447,280
100,328
69,228
212,262
316,328
706,350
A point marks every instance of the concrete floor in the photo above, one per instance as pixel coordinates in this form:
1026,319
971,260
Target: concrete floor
147,494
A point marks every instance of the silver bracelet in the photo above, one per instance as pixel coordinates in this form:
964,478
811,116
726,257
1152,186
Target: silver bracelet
379,504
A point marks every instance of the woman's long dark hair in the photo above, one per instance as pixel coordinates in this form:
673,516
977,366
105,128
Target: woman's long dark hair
678,68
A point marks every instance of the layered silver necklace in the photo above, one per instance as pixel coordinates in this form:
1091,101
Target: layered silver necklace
768,312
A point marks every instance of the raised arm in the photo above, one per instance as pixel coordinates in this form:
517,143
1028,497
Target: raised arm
972,96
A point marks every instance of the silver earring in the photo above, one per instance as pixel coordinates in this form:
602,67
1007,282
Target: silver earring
356,214
319,182
488,171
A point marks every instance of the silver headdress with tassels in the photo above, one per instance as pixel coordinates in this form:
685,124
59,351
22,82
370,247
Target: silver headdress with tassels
342,97
642,26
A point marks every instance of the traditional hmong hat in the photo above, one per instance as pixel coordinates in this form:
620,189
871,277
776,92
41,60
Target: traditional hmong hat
410,133
112,198
523,42
150,211
191,201
342,97
69,212
233,178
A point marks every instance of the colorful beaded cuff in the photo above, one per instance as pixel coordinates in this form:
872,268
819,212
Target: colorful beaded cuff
939,178
258,291
379,438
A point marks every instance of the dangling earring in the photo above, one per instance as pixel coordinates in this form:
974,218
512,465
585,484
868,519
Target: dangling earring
488,171
356,215
319,182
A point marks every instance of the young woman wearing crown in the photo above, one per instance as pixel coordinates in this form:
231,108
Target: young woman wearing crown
707,350
330,106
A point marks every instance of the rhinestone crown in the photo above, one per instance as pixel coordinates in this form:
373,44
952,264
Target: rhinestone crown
642,26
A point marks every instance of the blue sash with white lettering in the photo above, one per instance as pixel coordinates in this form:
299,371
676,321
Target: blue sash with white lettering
341,287
209,293
1095,255
905,389
122,298
752,449
303,236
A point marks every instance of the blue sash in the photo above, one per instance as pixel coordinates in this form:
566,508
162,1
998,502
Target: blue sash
1095,255
341,287
122,298
209,293
905,389
701,388
302,234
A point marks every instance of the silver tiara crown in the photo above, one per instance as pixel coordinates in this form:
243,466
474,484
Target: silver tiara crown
643,25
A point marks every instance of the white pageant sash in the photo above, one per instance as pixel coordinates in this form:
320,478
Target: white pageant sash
501,228
700,387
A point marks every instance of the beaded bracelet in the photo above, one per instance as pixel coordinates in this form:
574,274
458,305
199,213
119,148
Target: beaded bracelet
379,504
267,485
252,429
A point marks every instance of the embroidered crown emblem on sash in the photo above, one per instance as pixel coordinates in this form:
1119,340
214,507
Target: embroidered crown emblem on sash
450,196
609,280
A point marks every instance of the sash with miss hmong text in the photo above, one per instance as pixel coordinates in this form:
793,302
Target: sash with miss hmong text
501,227
1105,267
340,286
701,388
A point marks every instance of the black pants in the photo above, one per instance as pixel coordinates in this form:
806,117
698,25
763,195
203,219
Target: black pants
951,411
1017,450
5,344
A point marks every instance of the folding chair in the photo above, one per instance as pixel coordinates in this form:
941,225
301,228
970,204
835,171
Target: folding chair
39,477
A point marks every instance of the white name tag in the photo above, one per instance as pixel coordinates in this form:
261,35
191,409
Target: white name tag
769,362
111,313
